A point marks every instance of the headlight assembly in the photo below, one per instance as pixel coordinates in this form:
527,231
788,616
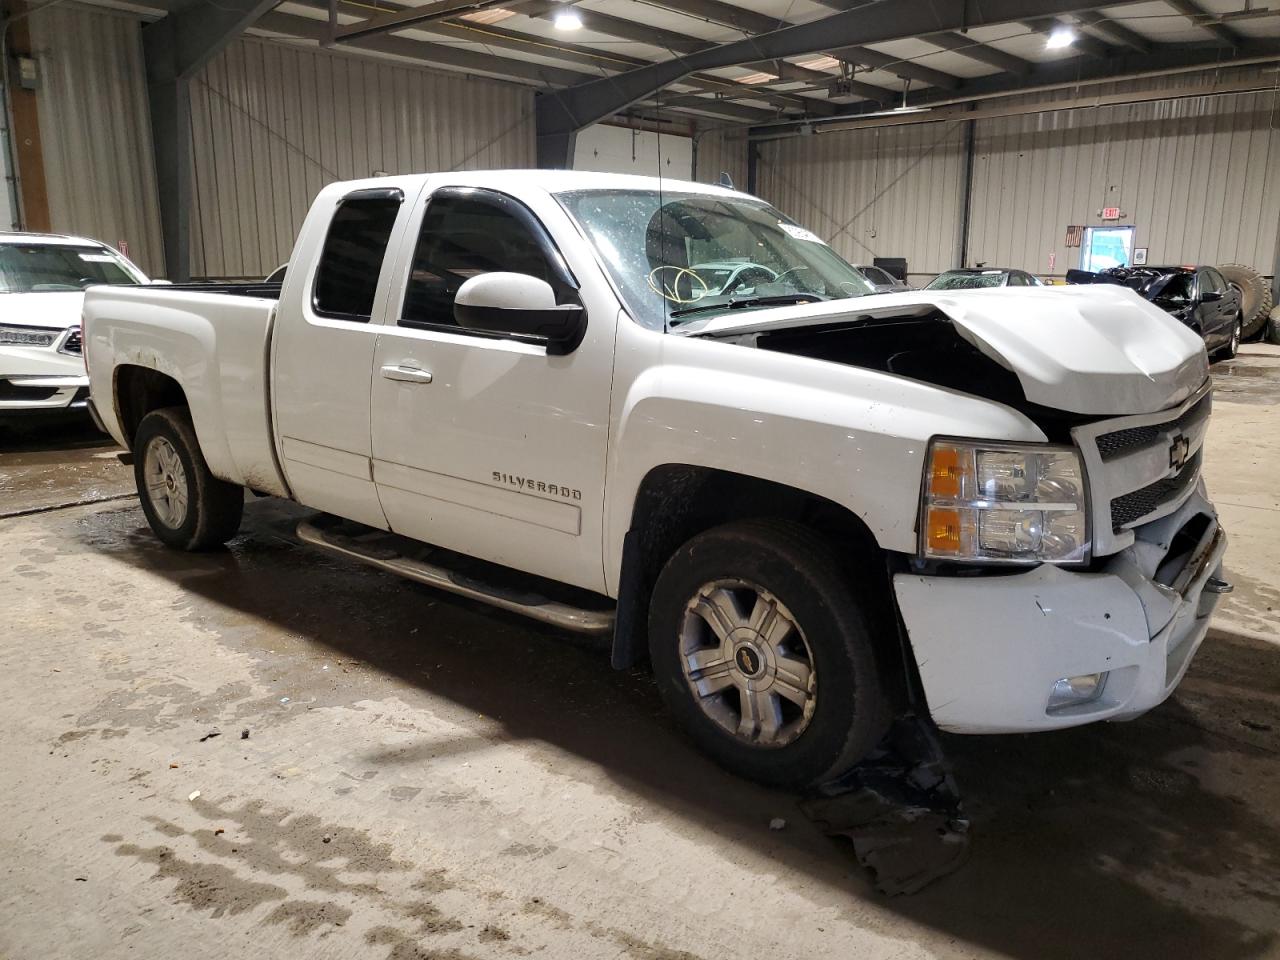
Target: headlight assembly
14,336
1003,503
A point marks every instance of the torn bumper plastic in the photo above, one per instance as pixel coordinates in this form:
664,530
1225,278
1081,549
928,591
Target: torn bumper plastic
990,649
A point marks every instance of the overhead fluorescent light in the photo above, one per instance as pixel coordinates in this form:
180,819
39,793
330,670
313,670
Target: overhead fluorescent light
1059,38
752,79
488,15
567,18
819,63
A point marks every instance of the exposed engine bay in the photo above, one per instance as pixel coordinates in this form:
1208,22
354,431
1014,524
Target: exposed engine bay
925,347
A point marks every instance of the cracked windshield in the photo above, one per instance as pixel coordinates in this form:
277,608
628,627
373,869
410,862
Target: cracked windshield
679,257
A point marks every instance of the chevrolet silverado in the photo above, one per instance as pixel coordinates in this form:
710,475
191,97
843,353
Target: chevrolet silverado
813,507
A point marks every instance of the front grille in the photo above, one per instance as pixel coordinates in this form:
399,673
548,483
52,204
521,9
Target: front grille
1120,442
12,391
1132,507
73,344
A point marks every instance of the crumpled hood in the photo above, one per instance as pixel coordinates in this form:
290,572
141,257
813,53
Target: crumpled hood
56,309
1097,350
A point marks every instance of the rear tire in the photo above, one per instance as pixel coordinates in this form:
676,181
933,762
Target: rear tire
786,688
187,507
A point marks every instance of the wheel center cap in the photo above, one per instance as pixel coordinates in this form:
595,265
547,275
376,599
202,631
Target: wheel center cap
749,661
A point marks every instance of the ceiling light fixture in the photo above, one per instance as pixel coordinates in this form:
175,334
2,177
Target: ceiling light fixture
1059,38
567,18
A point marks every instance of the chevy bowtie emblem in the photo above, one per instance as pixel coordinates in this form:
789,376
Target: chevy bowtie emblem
1179,450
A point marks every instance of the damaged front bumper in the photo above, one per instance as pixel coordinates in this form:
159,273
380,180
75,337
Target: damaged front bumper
990,649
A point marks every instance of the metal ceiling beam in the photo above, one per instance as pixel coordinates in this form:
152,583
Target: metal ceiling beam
906,69
563,112
720,106
725,14
1115,32
979,52
1164,57
713,10
1020,109
581,54
1083,42
618,27
400,19
1202,18
437,53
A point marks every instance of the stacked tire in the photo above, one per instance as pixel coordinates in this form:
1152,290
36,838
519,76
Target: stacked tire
1256,299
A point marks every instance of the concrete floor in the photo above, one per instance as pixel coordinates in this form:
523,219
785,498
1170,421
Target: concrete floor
425,778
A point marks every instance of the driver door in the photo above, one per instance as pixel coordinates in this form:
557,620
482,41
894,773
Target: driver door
483,444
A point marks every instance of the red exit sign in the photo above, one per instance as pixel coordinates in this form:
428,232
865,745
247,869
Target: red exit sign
1110,213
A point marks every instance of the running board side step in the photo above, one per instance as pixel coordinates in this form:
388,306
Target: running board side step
534,606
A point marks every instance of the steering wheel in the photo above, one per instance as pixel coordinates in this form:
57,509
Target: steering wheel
786,273
754,273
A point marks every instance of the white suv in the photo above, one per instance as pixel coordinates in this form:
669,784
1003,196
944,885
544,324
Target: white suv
42,282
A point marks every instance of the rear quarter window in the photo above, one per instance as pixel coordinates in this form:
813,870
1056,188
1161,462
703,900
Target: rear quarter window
351,259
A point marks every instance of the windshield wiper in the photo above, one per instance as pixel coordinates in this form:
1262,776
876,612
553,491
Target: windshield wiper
738,304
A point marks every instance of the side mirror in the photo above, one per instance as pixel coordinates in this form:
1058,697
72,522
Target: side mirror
1211,296
518,305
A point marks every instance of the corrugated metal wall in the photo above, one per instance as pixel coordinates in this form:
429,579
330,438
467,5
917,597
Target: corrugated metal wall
1192,175
274,122
96,129
886,192
721,151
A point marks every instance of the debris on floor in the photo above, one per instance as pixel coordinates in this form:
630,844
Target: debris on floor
211,734
901,809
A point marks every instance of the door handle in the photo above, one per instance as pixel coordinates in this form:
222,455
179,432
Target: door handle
406,374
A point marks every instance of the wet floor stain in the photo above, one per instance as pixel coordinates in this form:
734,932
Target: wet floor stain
1247,379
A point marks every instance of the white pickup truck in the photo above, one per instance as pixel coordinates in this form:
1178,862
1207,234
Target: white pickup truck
813,507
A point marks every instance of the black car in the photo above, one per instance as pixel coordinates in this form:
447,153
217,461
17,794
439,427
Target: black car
1198,296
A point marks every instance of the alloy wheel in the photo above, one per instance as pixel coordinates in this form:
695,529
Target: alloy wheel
166,481
747,663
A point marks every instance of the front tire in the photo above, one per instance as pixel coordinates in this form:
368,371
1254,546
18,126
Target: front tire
764,653
187,507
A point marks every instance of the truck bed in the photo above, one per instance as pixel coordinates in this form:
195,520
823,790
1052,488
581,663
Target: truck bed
213,340
246,288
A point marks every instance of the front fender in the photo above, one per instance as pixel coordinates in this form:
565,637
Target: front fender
852,436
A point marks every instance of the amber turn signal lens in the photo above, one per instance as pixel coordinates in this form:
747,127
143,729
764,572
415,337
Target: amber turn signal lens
944,473
944,530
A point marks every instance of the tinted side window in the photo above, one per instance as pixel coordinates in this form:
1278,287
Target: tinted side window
463,237
1216,278
876,275
1016,280
347,278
